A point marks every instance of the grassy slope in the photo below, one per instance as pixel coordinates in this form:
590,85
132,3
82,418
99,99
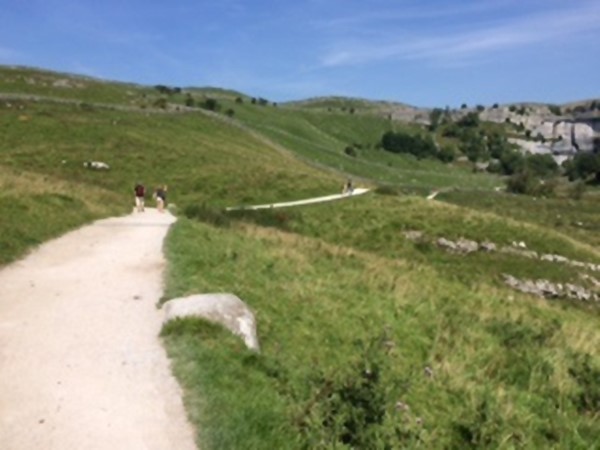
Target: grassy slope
350,313
203,160
320,136
509,371
577,218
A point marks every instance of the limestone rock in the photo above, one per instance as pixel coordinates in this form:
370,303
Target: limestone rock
225,309
96,165
467,246
446,244
554,258
547,289
488,246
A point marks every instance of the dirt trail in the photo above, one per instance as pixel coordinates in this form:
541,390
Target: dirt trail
81,364
306,201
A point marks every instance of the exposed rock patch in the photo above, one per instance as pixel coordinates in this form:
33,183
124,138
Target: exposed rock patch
542,288
466,246
463,246
547,289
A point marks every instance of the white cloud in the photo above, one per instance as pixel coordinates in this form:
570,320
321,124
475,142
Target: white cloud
410,13
543,27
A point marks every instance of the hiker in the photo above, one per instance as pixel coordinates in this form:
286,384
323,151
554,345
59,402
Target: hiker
140,193
348,188
161,197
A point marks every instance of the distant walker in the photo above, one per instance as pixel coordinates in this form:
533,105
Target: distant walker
161,197
348,187
140,193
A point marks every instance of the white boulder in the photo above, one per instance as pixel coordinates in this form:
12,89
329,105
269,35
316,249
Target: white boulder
96,165
225,309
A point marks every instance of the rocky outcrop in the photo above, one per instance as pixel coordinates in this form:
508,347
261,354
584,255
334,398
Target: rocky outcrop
547,289
542,288
560,135
465,246
562,139
225,309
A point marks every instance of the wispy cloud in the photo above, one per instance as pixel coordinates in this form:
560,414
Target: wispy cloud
408,13
449,46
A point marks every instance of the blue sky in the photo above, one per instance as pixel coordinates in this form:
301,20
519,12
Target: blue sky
425,53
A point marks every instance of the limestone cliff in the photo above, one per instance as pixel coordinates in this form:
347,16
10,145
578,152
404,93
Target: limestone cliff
562,135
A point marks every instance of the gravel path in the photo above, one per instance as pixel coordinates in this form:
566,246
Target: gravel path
308,201
81,364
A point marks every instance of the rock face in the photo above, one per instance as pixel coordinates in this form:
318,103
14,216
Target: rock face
560,135
562,139
225,309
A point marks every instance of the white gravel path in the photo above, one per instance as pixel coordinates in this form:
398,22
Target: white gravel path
308,201
81,364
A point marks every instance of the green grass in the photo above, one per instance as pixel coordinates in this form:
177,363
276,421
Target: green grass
202,160
193,341
38,207
350,312
321,137
376,223
346,334
576,218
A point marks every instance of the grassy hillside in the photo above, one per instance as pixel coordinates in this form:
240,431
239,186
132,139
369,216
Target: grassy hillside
369,339
365,346
201,159
321,137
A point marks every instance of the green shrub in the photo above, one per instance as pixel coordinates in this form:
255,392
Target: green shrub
350,151
189,100
406,143
207,214
274,218
350,407
447,154
541,165
587,376
160,103
512,162
469,120
521,183
555,109
525,182
211,104
386,190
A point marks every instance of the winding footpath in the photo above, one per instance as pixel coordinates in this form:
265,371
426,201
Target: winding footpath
81,363
308,201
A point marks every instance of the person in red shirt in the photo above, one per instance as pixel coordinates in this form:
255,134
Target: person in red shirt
140,193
